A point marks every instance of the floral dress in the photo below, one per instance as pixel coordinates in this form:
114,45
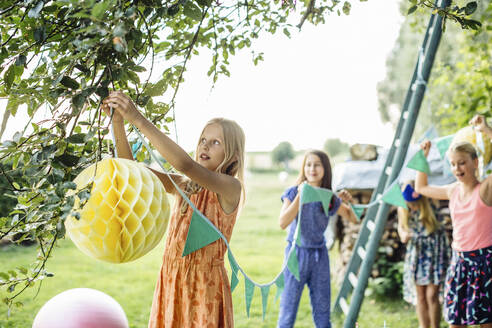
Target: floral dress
427,258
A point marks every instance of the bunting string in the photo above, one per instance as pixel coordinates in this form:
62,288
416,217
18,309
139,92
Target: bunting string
202,231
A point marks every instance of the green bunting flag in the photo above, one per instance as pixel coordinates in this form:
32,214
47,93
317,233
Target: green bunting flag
234,271
357,210
200,234
249,290
264,298
443,144
293,263
394,197
311,194
280,286
419,162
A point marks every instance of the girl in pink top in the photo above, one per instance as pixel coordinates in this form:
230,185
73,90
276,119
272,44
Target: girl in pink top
468,292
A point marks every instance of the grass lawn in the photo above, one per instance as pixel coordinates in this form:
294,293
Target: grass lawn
257,243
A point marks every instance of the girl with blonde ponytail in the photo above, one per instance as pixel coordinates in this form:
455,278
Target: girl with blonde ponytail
427,257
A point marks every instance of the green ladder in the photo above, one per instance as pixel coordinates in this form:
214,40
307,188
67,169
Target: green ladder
372,228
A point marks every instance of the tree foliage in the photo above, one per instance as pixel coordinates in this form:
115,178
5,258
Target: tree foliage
460,84
283,153
335,147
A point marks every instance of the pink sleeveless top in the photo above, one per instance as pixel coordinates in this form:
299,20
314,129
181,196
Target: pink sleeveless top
472,221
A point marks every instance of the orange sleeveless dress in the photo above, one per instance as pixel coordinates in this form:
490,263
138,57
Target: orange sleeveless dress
194,291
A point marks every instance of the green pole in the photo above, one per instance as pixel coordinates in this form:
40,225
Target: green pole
418,87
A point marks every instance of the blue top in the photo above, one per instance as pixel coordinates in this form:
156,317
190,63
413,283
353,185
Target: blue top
314,220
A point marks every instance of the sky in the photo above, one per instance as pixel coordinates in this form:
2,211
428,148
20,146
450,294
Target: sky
319,84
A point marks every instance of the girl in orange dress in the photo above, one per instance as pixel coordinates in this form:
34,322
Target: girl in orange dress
192,291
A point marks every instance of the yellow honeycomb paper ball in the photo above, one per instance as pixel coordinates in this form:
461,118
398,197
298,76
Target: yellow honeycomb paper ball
126,215
469,134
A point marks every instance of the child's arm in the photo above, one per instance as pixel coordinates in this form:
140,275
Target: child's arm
228,187
124,150
345,210
421,184
480,124
289,211
122,146
402,232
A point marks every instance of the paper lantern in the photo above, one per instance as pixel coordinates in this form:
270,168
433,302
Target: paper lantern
81,308
469,134
126,215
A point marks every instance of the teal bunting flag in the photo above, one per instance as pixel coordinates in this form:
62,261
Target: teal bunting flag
357,210
249,290
293,263
264,298
200,234
279,282
234,271
310,194
443,144
419,162
394,197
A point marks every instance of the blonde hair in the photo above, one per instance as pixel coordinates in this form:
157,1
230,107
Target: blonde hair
233,163
427,215
464,147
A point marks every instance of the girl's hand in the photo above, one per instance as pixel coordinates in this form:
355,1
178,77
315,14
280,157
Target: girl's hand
345,196
479,123
425,146
122,105
117,118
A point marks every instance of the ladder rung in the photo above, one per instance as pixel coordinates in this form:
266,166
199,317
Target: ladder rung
343,305
353,279
371,225
362,252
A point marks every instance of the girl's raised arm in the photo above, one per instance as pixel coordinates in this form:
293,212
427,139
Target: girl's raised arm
480,124
421,183
228,187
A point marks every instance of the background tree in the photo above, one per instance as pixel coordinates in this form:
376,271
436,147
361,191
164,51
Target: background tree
460,83
335,147
283,153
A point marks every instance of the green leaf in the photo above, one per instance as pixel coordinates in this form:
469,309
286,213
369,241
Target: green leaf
204,3
471,7
9,77
192,11
78,100
99,9
70,83
412,9
68,160
173,10
40,34
78,138
13,105
21,60
346,8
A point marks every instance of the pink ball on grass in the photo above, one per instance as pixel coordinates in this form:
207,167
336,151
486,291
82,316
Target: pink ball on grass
81,308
